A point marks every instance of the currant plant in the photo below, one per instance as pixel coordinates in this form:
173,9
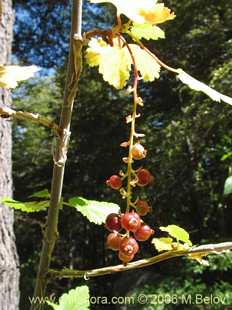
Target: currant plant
123,60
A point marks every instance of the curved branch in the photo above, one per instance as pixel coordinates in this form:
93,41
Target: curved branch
6,112
198,251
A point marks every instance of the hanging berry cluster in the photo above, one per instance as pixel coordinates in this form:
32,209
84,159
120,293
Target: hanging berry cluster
128,228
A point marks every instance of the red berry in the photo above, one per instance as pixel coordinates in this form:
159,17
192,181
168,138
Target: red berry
144,177
129,246
143,233
138,151
113,222
142,207
114,182
131,221
113,241
125,258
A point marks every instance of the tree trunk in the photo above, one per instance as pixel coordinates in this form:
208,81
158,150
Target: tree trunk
9,272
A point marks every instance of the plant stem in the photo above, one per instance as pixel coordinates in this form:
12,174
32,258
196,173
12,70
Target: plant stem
6,112
72,77
132,130
199,251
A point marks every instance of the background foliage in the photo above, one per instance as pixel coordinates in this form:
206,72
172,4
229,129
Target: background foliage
186,136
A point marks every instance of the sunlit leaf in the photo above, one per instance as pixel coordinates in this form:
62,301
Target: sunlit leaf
147,66
199,86
31,206
114,62
147,31
140,11
162,244
77,298
95,211
228,186
11,75
177,232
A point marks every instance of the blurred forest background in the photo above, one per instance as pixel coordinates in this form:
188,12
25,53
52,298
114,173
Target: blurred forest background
187,137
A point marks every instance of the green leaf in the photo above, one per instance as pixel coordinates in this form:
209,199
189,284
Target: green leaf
226,156
199,86
75,299
95,211
147,66
41,194
178,233
146,31
31,206
162,244
228,186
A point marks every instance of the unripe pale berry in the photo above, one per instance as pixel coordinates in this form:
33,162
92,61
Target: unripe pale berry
138,151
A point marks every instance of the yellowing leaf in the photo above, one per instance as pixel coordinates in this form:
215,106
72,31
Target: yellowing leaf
146,65
141,11
162,244
199,86
94,51
114,62
177,232
11,75
147,31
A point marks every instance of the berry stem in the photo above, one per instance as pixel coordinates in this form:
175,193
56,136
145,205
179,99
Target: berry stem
132,129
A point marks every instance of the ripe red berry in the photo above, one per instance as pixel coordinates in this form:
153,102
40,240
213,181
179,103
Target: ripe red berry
131,221
113,241
142,207
114,182
129,246
138,151
143,233
144,177
125,258
113,222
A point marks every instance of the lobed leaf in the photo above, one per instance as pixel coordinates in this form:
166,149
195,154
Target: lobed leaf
146,31
11,75
228,186
162,244
178,233
141,11
95,211
31,206
77,298
199,86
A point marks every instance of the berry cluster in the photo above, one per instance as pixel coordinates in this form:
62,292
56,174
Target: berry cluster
126,245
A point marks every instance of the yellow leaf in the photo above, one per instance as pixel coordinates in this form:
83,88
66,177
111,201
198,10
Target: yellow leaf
142,11
162,244
114,62
11,75
146,65
146,31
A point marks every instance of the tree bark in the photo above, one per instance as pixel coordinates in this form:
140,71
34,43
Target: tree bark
9,272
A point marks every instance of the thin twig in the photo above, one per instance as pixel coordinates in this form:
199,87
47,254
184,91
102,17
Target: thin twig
202,250
6,112
51,232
